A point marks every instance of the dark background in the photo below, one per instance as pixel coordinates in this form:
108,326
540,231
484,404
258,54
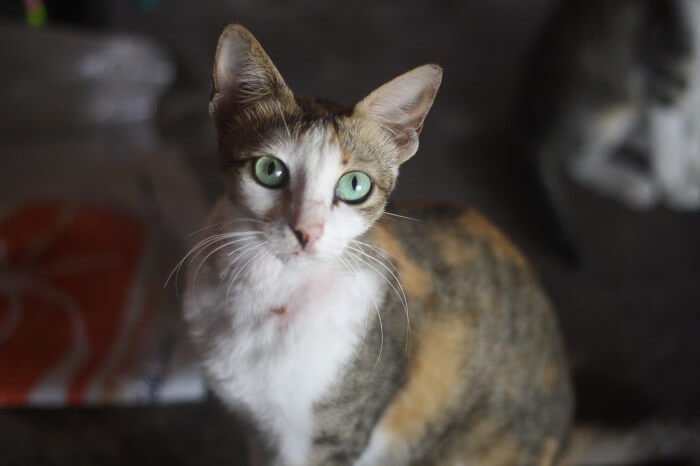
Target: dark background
630,311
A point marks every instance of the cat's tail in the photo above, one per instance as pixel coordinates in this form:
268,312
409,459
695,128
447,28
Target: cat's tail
651,443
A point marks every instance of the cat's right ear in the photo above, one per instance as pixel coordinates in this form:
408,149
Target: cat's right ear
243,74
401,105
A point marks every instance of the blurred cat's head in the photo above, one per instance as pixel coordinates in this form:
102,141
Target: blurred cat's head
317,174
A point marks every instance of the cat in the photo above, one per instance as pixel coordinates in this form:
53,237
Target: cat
349,335
609,78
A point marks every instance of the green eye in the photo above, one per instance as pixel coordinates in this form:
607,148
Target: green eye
353,187
270,172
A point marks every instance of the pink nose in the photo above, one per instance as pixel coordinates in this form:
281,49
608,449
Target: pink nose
307,234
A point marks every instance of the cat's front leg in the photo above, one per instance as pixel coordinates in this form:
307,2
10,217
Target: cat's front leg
384,449
671,152
595,165
608,177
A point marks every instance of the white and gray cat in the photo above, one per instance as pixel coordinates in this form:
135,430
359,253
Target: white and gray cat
614,77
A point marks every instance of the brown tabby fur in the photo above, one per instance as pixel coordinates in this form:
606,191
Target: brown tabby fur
483,378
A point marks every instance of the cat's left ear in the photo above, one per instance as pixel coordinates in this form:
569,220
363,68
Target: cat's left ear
401,105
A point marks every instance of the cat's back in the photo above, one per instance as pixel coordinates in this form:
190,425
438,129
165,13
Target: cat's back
452,261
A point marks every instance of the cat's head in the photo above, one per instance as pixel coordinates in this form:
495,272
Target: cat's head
317,174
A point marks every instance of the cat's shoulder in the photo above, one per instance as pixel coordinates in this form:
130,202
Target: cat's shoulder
458,233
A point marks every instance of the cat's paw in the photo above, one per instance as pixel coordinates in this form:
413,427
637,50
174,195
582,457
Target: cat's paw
639,193
383,450
684,196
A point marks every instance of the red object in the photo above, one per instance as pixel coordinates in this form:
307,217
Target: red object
66,275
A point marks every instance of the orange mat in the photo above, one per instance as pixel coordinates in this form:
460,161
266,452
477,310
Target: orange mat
67,281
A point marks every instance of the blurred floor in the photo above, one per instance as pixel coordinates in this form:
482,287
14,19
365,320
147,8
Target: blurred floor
631,313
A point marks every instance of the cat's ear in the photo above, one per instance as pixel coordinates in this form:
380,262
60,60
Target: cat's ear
401,105
243,74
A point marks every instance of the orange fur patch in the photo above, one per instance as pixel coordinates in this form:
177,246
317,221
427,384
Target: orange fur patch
550,374
549,452
434,379
502,448
332,134
345,155
452,250
475,223
416,281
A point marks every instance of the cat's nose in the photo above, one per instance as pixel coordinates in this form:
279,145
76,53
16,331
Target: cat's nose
307,234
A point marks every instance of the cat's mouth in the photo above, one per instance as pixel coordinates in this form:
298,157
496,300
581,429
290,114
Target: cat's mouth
304,254
295,254
299,255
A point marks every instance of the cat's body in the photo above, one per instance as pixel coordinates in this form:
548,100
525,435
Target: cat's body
480,376
607,76
351,337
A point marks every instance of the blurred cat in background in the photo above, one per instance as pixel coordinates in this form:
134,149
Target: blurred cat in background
607,80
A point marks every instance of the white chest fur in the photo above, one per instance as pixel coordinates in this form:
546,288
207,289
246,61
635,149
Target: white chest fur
280,340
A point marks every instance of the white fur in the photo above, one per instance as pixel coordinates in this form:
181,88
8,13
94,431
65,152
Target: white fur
597,168
275,366
384,449
676,133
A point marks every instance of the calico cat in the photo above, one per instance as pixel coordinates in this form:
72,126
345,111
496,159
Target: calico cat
609,78
349,335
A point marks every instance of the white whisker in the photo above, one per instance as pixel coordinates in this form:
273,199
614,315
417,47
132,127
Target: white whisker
214,251
231,266
350,268
403,301
176,270
196,250
238,273
286,127
401,216
402,295
227,222
385,255
364,335
381,333
376,308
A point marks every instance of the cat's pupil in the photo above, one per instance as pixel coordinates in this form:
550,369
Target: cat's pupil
354,183
270,168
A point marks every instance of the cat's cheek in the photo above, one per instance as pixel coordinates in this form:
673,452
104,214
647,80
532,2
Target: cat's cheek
258,199
345,224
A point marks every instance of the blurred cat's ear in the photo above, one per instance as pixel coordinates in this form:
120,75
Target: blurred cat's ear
243,74
401,106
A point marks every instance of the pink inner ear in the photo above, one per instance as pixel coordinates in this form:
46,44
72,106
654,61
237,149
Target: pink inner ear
238,78
225,70
243,73
402,138
402,104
